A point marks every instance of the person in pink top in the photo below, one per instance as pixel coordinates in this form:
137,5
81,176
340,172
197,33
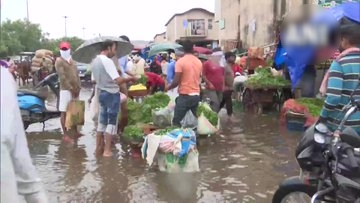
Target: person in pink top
213,73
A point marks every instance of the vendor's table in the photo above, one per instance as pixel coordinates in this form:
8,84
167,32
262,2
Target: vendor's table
256,99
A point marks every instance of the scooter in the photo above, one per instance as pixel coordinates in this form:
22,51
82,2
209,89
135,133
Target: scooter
32,102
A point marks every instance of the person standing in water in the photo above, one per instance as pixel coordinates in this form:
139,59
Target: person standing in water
107,81
70,86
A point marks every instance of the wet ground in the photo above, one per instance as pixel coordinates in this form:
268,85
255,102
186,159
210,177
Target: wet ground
244,165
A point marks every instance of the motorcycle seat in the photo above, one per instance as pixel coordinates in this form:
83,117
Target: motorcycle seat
32,93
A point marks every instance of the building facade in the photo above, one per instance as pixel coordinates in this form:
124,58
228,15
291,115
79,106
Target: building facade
160,38
246,23
196,24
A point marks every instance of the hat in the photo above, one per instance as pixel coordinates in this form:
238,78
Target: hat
64,45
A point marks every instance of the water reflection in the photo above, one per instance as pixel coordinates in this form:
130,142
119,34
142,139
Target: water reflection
245,164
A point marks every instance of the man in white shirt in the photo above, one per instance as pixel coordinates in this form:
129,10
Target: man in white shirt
18,174
107,81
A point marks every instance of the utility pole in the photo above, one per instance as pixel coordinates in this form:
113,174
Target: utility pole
27,10
65,17
83,32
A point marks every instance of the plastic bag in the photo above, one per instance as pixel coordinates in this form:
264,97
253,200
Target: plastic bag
75,114
169,163
94,106
189,121
163,117
205,127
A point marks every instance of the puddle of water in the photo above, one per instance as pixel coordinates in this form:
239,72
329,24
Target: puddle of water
239,166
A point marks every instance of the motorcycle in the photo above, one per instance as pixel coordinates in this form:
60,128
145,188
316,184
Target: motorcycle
329,165
32,103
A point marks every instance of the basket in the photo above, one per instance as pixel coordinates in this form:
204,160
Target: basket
295,121
137,93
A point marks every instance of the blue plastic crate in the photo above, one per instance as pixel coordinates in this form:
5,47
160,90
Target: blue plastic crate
294,125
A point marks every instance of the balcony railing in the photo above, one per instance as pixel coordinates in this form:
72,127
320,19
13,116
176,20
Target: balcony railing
196,32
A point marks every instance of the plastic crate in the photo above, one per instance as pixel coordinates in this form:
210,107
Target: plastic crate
295,121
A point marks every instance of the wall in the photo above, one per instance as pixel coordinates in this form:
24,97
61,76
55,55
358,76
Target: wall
175,29
251,21
160,38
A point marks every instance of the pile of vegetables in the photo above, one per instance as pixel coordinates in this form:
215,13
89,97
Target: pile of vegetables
142,80
313,104
205,109
133,133
142,112
263,78
137,87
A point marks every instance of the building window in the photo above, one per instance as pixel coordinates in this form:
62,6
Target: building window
210,24
197,27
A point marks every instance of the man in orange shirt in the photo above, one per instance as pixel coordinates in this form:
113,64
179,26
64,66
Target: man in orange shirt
188,71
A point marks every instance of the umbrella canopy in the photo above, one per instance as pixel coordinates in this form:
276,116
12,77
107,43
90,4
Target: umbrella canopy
202,50
4,64
157,48
91,48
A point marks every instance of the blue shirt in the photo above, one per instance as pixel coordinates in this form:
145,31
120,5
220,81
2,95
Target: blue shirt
123,65
343,80
170,72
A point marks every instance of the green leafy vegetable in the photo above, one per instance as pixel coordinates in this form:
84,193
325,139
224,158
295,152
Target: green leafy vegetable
264,79
142,112
208,113
165,131
142,80
133,133
313,104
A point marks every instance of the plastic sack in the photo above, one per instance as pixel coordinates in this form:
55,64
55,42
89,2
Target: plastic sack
189,120
293,106
205,127
94,106
43,52
163,117
75,114
172,164
179,142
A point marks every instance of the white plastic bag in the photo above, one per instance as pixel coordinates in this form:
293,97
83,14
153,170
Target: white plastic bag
189,121
205,127
163,117
94,106
173,166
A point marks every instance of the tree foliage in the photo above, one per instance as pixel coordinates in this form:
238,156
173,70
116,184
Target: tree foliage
22,35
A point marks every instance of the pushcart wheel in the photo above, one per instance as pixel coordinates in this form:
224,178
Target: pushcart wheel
247,100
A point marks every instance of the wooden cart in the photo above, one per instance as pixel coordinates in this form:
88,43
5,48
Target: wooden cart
256,99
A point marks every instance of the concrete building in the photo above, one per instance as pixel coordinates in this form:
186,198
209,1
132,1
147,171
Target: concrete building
159,38
196,24
249,23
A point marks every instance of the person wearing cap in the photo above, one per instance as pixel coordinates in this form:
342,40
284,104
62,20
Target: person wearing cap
139,66
70,85
19,178
188,70
213,74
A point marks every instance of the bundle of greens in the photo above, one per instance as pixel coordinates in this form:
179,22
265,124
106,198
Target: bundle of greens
133,133
313,104
165,131
142,80
142,112
264,79
208,113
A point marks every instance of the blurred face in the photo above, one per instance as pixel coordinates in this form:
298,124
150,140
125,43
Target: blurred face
112,51
231,59
344,44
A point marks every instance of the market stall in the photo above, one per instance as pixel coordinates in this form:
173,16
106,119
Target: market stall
265,89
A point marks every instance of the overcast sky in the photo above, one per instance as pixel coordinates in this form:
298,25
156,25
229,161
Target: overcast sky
138,19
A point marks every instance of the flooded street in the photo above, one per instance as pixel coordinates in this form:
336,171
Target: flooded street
246,164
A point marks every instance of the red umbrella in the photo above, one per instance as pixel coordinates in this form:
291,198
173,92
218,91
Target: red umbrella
202,50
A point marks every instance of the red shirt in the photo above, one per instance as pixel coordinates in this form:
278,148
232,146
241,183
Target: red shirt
215,74
236,68
154,79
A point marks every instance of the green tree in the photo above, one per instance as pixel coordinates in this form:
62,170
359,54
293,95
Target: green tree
19,35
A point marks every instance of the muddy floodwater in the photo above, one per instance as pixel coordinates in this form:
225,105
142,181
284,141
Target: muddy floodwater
245,164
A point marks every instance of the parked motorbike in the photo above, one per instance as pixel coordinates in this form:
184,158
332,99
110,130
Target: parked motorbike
329,165
32,103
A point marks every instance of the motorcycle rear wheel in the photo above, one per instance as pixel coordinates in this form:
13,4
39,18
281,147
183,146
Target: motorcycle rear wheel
283,192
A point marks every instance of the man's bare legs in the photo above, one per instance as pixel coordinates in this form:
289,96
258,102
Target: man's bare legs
66,137
99,143
107,149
